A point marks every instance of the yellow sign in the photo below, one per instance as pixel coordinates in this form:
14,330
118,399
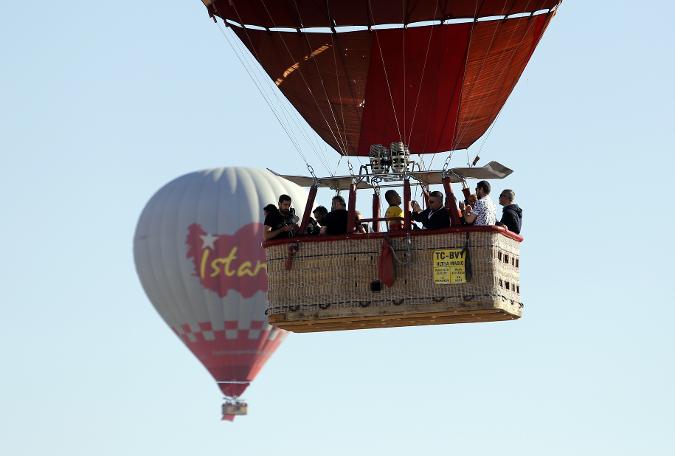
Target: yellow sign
449,266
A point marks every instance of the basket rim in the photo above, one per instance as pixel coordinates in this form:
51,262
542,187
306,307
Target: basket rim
396,234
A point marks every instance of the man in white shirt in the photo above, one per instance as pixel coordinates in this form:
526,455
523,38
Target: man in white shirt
484,211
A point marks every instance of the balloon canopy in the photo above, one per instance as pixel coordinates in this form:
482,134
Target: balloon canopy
433,74
198,254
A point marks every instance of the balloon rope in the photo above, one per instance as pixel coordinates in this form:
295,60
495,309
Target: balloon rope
333,38
337,84
336,45
280,102
424,69
265,97
403,88
466,64
461,86
289,119
487,135
342,134
299,70
323,85
386,76
504,63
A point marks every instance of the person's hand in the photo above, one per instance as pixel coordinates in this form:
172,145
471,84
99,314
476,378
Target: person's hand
286,228
468,209
416,207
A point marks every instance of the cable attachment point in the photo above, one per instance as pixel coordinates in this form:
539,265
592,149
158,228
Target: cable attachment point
375,183
211,9
446,164
311,171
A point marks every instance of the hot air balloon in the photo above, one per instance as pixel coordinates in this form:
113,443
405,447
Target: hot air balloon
385,79
198,254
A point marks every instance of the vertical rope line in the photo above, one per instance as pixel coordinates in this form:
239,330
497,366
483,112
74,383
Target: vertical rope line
466,64
275,93
265,97
477,6
386,76
500,63
403,32
494,82
529,28
335,64
358,113
309,89
462,131
342,113
337,76
337,82
424,68
323,85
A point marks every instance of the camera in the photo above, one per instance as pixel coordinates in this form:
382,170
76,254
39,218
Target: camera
313,228
291,218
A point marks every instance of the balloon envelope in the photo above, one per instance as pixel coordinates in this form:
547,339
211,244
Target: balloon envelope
436,87
198,254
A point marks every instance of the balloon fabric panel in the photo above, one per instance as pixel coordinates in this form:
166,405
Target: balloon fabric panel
435,88
498,55
323,76
413,90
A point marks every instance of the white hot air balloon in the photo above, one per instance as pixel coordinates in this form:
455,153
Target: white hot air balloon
199,257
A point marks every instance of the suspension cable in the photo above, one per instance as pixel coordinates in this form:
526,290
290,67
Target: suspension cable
513,54
386,76
337,84
264,95
281,109
466,64
275,92
424,68
323,85
307,86
403,32
503,66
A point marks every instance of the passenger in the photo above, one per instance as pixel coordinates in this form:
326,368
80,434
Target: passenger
484,211
359,227
280,223
312,228
335,221
267,210
320,214
314,225
436,216
394,210
470,202
512,214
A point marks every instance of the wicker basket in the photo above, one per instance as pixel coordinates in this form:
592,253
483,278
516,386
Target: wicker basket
332,283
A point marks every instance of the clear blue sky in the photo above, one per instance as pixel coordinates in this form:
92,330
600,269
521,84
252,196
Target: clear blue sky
103,103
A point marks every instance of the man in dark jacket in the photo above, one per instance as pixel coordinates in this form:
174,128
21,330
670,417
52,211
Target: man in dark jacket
281,222
436,216
512,215
335,222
